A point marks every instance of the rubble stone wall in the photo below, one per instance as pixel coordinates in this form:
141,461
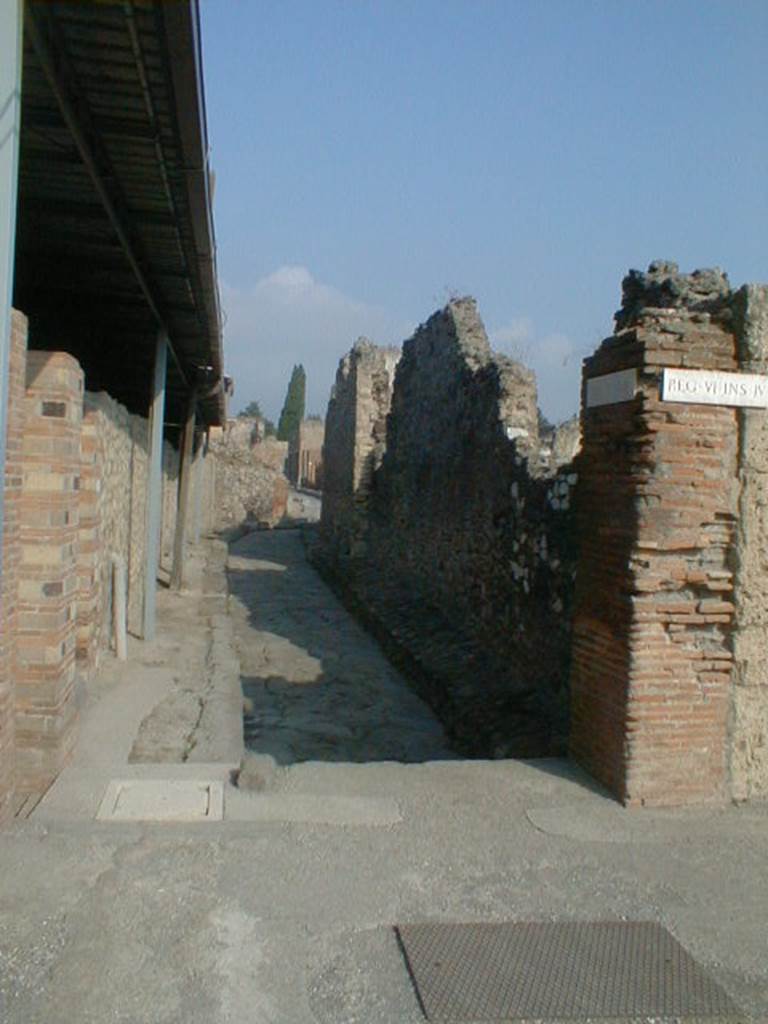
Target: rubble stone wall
249,483
121,441
449,498
171,466
354,443
305,455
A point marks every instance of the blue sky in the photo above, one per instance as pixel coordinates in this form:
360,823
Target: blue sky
374,158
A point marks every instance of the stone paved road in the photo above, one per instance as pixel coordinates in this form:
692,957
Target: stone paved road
320,687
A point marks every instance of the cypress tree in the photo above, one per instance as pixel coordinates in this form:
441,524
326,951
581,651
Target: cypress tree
293,407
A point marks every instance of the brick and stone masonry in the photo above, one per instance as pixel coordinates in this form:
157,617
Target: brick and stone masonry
48,584
11,556
74,497
659,515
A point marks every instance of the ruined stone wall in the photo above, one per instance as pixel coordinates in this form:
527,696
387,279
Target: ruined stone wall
11,555
249,483
749,706
90,545
305,455
464,513
205,491
121,445
170,504
139,432
449,500
354,443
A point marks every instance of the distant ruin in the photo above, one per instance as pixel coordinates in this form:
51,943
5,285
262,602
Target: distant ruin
439,495
511,570
249,482
304,465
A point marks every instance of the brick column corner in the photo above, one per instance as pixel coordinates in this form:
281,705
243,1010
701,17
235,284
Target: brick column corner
652,654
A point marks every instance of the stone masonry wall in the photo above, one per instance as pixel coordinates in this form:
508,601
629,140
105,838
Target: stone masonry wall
48,570
749,706
305,455
139,432
455,507
354,443
11,557
89,548
121,465
205,490
249,482
657,515
170,505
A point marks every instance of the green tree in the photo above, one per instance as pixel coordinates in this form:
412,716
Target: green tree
252,410
293,407
269,428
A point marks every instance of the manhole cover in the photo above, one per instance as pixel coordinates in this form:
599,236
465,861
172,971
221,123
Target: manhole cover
162,800
558,970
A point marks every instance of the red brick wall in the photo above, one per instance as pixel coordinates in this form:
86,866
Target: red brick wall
48,575
8,583
652,655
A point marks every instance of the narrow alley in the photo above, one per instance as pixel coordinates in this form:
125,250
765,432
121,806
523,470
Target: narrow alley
317,687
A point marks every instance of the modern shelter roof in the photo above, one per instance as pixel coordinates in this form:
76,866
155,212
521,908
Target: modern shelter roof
115,234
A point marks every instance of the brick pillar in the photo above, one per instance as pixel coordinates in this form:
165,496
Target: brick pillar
652,653
11,554
90,547
48,572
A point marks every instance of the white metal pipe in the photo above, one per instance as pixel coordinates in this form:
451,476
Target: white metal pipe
119,607
11,21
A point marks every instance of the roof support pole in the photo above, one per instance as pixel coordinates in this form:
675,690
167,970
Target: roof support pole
185,493
11,22
154,485
10,120
198,480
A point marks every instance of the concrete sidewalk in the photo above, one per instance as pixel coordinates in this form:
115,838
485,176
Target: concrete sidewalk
281,912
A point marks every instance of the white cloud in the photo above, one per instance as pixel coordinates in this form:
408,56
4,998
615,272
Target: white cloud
514,338
289,317
554,358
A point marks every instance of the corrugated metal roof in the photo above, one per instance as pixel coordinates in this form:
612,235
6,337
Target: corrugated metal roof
115,233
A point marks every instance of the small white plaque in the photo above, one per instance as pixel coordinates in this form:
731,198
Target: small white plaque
713,387
612,388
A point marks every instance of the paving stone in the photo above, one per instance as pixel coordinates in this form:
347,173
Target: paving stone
318,686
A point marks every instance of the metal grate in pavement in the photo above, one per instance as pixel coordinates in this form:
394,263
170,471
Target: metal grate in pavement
556,970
